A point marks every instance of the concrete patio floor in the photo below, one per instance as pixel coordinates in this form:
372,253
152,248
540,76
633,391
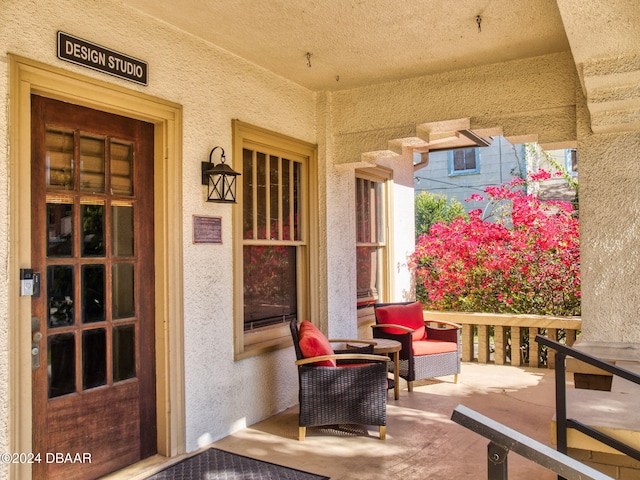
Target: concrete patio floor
422,442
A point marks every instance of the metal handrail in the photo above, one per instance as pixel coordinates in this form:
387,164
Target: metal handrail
504,439
562,423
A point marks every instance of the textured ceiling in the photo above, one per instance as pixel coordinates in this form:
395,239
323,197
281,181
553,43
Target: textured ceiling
354,43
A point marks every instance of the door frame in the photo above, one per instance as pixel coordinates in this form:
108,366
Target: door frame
30,77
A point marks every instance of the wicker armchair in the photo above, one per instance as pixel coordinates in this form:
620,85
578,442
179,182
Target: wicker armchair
339,388
427,351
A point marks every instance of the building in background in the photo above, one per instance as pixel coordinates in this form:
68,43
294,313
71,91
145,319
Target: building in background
461,172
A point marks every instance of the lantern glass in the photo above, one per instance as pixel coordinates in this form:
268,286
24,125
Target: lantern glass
220,180
222,188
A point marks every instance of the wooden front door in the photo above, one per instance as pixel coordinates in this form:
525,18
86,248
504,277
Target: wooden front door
93,356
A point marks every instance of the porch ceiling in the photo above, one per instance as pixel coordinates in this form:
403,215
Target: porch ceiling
355,43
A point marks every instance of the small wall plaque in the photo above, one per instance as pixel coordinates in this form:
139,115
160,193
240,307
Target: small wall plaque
82,52
207,229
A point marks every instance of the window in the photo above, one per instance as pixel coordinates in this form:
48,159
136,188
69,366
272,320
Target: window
273,231
464,161
371,242
571,160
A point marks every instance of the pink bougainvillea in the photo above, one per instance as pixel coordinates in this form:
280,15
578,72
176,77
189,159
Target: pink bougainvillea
525,261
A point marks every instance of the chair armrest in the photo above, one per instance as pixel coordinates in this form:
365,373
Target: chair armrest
392,325
356,356
444,334
405,339
350,340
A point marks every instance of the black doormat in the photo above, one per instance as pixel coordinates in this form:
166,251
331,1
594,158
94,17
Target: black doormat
214,464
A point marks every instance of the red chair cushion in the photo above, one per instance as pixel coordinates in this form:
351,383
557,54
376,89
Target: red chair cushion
429,347
409,316
313,343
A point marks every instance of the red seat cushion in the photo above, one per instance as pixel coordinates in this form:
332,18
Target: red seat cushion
429,347
313,343
409,316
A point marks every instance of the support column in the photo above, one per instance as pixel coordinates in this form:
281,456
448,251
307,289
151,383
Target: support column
609,231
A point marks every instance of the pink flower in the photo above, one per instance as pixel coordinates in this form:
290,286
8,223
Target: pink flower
475,197
527,261
540,176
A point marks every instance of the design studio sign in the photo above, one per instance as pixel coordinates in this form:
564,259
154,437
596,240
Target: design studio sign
87,54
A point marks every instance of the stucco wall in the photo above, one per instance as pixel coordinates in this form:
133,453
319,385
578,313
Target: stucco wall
609,233
213,87
403,219
341,276
532,96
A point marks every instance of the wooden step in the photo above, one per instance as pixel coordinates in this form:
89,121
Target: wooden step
620,385
614,413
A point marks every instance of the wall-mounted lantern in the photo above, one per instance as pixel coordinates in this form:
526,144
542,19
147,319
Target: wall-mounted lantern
220,179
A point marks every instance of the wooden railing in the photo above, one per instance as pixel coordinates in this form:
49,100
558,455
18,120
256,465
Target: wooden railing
509,339
502,339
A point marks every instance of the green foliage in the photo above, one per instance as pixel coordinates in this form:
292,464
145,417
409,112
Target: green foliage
432,208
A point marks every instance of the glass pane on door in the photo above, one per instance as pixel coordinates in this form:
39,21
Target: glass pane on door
94,358
122,230
92,229
60,295
59,228
93,293
124,359
59,159
61,364
122,291
121,167
92,163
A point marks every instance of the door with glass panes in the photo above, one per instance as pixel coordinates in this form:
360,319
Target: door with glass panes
93,358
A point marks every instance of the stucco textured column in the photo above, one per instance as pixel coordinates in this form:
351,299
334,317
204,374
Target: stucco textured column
609,233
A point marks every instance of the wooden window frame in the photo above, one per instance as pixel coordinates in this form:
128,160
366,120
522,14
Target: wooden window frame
383,177
269,338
